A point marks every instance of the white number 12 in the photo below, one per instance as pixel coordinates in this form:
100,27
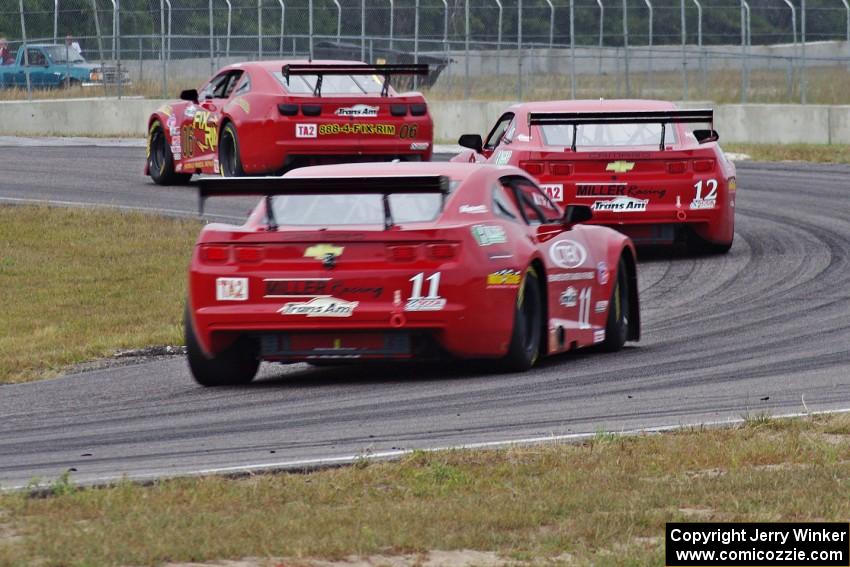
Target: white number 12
711,184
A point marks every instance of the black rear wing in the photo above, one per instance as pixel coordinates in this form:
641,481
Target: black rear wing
322,69
663,117
268,187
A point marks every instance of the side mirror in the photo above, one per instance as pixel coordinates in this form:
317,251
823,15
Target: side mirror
189,94
471,141
575,214
704,136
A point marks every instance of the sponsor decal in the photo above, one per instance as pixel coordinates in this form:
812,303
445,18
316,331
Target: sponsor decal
486,235
503,157
305,130
243,104
176,148
324,306
599,336
621,205
419,146
359,129
568,254
316,287
602,273
473,209
554,191
216,165
166,109
592,190
601,306
504,278
205,123
231,289
323,251
732,185
569,298
190,111
571,277
397,298
523,137
702,204
358,110
430,302
620,166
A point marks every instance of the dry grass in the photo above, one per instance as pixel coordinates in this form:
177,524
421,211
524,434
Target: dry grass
602,502
816,153
79,284
146,89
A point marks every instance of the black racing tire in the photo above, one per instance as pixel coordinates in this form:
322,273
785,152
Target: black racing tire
228,152
617,325
234,366
160,160
527,335
698,245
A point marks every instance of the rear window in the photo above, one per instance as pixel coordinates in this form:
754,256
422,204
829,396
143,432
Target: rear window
334,210
332,84
604,135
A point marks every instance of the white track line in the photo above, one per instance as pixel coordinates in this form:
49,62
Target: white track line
307,465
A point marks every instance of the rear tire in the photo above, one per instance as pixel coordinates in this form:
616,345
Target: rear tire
528,325
228,152
617,326
234,366
160,160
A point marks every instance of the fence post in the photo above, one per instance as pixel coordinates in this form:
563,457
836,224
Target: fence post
684,53
310,18
499,40
649,43
141,59
26,55
168,52
466,50
259,30
572,50
551,22
699,45
847,9
743,52
55,20
212,47
601,32
803,78
794,39
282,23
338,20
162,48
415,41
363,30
97,31
626,46
118,73
519,51
392,21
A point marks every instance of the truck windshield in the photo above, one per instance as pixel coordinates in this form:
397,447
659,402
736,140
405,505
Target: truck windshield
57,54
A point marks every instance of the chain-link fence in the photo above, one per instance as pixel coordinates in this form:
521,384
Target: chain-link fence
747,50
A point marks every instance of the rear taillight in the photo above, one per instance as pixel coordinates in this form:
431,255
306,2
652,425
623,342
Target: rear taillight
561,169
249,253
704,165
287,109
418,109
401,253
311,109
442,251
676,167
533,167
398,109
215,253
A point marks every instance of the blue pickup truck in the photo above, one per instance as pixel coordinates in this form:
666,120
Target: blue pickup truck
55,66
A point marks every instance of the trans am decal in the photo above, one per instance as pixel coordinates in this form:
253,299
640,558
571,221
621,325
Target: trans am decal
320,307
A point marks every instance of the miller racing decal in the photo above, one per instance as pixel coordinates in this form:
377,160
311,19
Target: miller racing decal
320,307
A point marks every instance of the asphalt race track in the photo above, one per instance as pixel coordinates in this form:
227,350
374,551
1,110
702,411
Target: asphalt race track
765,328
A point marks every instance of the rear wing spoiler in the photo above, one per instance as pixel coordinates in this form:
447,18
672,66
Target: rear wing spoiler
268,187
663,117
322,69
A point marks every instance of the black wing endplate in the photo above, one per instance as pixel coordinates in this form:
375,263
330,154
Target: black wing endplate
322,69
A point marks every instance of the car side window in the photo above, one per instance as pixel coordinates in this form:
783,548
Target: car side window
230,84
244,87
504,203
535,206
36,58
498,131
221,86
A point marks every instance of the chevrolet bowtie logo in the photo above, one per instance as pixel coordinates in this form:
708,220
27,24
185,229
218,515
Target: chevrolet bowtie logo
620,166
324,252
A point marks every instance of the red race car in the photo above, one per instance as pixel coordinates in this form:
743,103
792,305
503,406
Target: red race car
268,117
401,261
632,161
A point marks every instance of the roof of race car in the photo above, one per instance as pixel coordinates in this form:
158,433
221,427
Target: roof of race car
594,105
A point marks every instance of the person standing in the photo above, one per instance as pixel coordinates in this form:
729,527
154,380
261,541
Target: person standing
69,41
6,57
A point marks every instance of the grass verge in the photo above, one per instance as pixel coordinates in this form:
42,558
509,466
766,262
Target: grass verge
816,153
79,284
601,502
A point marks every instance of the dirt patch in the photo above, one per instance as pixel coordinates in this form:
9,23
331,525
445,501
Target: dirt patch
437,558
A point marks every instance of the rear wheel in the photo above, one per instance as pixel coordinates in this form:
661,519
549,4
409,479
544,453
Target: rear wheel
528,324
617,326
160,160
228,153
233,366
